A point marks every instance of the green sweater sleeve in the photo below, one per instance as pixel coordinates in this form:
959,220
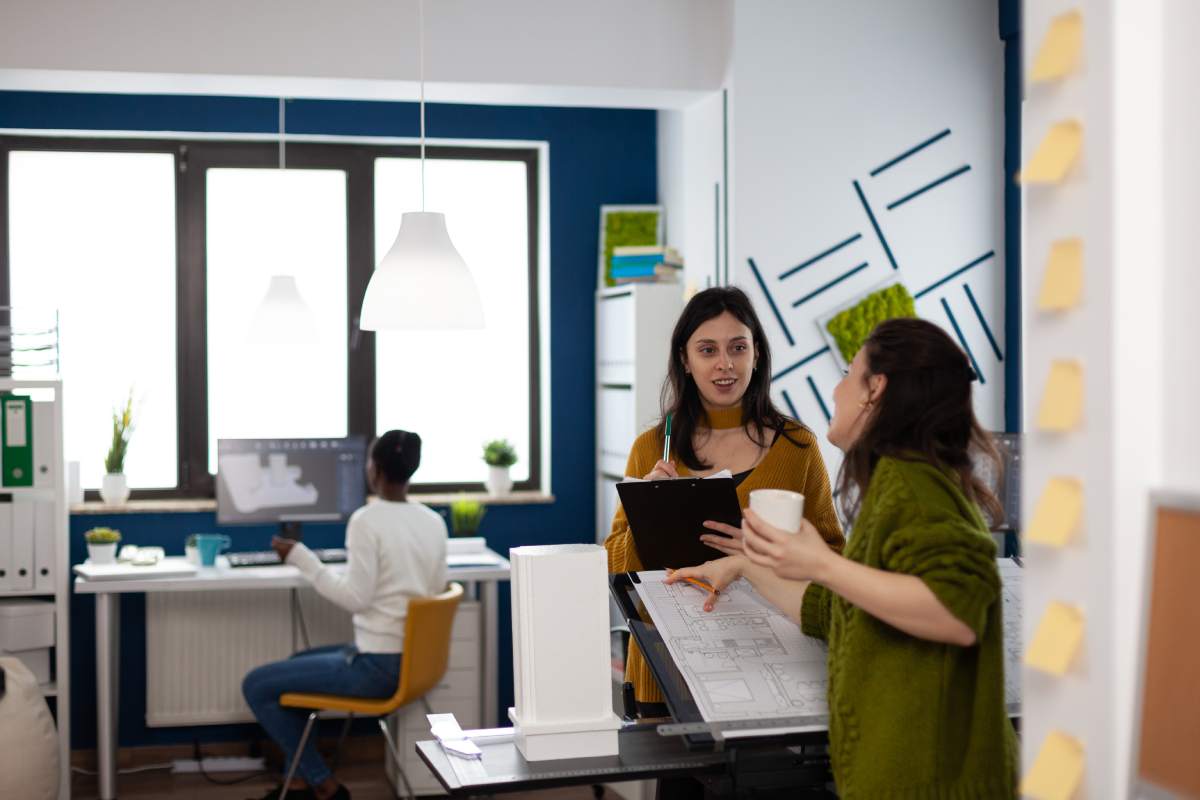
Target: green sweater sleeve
954,560
815,611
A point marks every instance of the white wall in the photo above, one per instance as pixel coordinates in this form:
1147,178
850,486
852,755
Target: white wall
660,53
824,94
691,185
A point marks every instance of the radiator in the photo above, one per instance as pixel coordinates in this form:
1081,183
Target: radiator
199,646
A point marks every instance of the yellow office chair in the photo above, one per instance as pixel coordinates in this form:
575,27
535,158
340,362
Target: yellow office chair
426,652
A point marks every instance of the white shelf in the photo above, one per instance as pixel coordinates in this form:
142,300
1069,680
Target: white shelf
6,595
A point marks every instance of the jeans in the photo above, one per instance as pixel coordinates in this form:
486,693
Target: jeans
337,669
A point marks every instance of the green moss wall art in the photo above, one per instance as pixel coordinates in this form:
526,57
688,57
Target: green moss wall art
626,226
850,327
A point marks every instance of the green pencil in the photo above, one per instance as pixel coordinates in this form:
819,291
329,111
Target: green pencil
667,441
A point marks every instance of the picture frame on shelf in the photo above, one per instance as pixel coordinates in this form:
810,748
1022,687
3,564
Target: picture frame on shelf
627,225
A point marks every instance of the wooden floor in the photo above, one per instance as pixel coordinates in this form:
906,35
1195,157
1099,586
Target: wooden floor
365,782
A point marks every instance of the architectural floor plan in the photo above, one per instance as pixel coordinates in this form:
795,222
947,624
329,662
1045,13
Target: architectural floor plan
746,660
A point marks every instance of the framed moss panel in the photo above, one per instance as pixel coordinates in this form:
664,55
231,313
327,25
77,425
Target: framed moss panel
847,327
626,226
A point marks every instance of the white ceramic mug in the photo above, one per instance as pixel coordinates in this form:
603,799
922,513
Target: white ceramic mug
780,507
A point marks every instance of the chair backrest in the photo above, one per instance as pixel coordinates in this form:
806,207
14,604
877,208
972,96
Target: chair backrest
426,643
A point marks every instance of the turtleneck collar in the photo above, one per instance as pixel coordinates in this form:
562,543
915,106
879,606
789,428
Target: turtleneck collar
722,418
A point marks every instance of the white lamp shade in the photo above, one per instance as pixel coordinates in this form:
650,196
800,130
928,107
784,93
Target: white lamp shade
282,318
422,283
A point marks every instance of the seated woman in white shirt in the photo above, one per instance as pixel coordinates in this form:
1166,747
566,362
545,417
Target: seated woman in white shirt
396,550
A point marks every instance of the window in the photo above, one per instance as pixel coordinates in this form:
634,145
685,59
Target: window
272,364
168,249
102,224
459,389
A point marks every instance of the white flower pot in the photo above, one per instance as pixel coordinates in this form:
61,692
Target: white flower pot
192,555
102,553
114,490
499,482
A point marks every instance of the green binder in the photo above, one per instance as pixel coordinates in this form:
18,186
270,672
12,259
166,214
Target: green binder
16,447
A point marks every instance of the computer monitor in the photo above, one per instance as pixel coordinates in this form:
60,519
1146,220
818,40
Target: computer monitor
290,481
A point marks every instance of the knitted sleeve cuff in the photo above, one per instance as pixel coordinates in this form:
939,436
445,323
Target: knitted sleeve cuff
814,611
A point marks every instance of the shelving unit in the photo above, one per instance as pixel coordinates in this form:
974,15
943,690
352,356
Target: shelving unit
45,559
633,340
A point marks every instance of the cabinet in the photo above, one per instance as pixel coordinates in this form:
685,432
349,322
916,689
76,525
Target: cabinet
633,340
33,550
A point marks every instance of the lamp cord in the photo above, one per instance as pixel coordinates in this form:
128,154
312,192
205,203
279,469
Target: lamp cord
421,68
282,128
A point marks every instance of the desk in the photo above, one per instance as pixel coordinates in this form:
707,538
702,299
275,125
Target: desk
744,768
108,594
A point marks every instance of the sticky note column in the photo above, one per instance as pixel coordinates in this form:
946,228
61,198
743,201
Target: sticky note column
1057,175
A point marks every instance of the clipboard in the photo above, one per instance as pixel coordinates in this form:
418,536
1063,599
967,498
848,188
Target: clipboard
667,518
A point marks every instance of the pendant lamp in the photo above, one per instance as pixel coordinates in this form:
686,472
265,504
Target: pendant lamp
422,283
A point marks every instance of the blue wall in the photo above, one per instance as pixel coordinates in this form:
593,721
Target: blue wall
596,156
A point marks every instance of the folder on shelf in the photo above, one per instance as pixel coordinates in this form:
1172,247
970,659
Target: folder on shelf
44,547
667,518
16,441
6,547
22,546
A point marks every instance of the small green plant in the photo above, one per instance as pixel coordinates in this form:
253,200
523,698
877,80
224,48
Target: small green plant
102,536
190,541
122,429
465,516
499,453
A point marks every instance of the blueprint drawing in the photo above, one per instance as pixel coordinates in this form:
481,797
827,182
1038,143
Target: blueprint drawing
742,660
746,660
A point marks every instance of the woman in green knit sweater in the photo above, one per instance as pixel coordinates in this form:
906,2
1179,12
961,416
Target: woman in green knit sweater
911,610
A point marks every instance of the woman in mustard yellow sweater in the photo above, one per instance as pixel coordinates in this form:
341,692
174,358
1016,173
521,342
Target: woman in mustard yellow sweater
717,392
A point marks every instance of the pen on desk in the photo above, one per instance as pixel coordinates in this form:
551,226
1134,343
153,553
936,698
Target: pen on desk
667,441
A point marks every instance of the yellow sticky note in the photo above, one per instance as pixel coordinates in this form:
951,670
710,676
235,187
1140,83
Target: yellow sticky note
1056,640
1056,515
1062,401
1062,283
1057,770
1056,153
1059,54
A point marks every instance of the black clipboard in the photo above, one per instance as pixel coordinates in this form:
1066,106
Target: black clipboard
667,518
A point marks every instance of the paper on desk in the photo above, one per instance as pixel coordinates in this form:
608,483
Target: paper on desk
1057,770
1056,515
1062,283
1062,400
1056,640
1059,54
1055,155
722,474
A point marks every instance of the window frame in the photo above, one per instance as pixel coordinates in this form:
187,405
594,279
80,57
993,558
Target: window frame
193,157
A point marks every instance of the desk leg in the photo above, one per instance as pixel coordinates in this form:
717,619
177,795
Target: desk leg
108,646
489,596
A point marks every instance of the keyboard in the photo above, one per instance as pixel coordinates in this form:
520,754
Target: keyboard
265,558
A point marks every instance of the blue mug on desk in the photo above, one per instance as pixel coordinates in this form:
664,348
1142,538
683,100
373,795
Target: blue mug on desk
208,545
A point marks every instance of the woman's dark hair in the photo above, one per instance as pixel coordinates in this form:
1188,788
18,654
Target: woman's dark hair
680,397
925,413
396,455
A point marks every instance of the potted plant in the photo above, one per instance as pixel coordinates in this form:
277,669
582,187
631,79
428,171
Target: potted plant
499,455
115,489
465,515
190,551
102,545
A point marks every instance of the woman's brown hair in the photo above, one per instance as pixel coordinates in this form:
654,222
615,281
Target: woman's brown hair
925,413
